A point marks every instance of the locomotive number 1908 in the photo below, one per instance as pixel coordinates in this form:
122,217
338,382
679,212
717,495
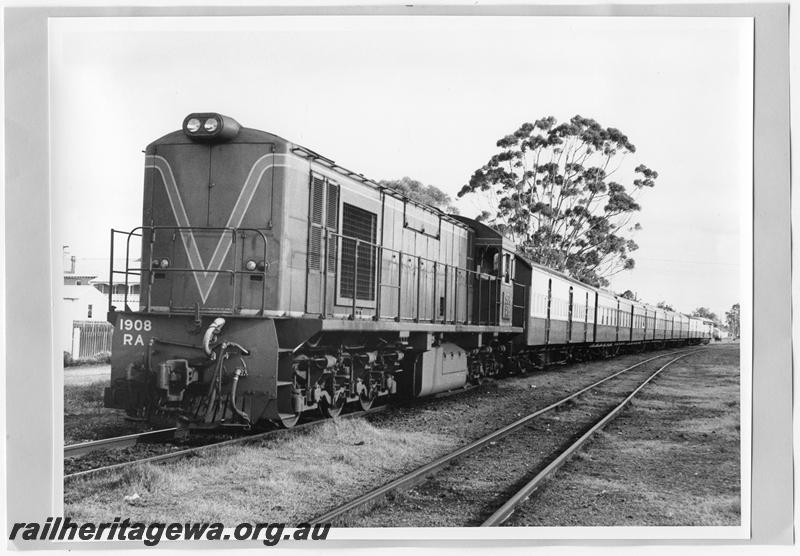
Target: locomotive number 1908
134,325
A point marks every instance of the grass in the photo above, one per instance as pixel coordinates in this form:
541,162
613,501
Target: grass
84,398
670,459
289,479
644,476
102,358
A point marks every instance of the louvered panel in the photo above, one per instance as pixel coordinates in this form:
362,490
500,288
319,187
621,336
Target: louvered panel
332,222
332,217
316,213
359,224
317,200
314,246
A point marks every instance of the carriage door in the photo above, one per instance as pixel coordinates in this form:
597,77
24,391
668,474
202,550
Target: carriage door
586,318
506,290
569,315
549,307
323,244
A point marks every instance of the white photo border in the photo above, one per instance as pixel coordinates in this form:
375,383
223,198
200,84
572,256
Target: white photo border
34,401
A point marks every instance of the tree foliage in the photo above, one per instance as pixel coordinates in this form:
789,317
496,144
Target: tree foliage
554,195
628,294
428,194
664,305
732,319
705,312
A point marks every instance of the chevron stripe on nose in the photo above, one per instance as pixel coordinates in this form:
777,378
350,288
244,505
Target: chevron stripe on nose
206,275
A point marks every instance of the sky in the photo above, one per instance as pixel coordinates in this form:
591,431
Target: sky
424,97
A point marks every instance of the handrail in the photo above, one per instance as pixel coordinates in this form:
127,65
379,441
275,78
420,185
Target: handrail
471,280
143,270
427,307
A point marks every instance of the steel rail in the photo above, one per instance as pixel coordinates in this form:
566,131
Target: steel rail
117,442
127,441
421,474
76,450
507,509
171,456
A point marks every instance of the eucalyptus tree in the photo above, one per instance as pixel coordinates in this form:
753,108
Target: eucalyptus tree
428,194
556,192
706,313
732,318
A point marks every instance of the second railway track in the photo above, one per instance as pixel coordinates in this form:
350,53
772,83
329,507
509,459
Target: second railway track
142,448
131,441
452,495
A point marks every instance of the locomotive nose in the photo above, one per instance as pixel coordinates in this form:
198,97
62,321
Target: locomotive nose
210,127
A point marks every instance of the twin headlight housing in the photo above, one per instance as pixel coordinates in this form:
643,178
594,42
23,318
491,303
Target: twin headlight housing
252,266
210,127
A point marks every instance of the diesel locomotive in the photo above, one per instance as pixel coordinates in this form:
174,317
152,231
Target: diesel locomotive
274,282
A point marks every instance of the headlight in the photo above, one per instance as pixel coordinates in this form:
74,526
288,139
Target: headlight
210,127
193,125
261,266
250,265
164,263
156,263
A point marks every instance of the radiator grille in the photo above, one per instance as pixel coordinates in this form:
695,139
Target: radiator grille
359,224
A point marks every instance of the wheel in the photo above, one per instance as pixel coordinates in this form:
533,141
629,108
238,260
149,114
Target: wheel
334,408
366,400
288,420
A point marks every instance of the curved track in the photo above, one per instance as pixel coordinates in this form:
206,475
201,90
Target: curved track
507,509
423,473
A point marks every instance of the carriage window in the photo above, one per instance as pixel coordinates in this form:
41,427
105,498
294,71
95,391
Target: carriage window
358,264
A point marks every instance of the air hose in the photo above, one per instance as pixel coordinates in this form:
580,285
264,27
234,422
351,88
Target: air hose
211,332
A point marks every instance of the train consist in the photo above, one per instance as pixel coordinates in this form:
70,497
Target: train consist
275,282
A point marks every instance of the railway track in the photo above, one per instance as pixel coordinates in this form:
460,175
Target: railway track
507,509
115,443
426,472
132,440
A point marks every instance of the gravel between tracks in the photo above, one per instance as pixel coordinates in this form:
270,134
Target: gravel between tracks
670,459
466,493
306,474
86,419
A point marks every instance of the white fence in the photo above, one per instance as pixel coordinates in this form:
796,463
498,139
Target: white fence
90,338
